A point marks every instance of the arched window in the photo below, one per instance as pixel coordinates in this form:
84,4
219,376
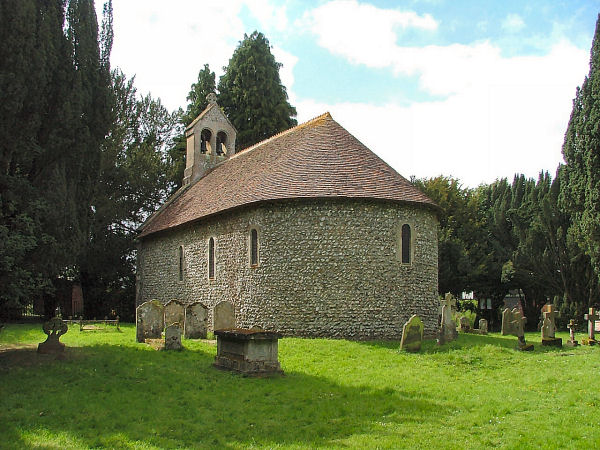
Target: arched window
211,258
181,262
406,244
205,137
221,143
253,247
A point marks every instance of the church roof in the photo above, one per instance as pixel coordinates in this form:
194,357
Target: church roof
317,159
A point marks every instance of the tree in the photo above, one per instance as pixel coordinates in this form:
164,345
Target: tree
251,93
133,182
196,98
580,193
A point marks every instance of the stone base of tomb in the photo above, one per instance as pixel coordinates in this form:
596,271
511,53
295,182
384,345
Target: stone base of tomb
589,341
523,346
572,343
552,342
251,352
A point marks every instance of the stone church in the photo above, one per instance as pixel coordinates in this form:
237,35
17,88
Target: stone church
307,233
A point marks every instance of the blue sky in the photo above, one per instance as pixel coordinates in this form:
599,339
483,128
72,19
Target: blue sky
472,89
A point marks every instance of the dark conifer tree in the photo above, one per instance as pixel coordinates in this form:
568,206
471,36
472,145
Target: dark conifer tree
581,175
251,93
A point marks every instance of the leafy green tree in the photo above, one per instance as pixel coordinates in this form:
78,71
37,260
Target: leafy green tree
580,193
133,182
251,93
196,98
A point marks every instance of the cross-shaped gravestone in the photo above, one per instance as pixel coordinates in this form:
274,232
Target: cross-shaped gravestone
571,326
447,327
549,313
591,317
54,328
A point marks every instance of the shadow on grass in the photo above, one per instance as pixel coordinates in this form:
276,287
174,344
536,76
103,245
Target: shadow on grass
117,396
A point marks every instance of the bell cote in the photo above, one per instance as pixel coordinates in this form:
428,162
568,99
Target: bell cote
210,141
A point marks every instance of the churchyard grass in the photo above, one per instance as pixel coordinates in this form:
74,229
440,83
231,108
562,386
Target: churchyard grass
475,392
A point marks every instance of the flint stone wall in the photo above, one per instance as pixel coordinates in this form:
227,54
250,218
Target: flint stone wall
327,268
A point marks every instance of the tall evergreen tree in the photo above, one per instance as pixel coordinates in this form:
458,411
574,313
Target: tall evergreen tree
196,98
251,93
581,175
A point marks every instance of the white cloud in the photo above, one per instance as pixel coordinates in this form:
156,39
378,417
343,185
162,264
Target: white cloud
512,121
513,23
270,16
500,115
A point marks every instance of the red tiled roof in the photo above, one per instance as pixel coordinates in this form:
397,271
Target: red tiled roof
317,159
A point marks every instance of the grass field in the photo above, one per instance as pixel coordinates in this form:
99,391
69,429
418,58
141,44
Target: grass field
477,392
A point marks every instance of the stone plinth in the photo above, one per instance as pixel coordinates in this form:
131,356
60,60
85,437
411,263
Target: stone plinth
252,352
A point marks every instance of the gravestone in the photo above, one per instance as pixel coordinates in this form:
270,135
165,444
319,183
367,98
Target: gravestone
513,323
249,351
196,316
174,313
173,337
571,326
591,317
465,325
447,331
412,334
150,320
549,327
54,328
223,316
483,326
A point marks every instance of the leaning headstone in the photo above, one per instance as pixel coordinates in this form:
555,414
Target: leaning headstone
150,320
196,316
549,327
447,331
174,313
54,328
571,326
483,326
173,337
513,323
591,317
223,316
412,334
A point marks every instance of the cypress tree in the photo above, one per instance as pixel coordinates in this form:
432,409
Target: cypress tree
580,194
197,96
251,93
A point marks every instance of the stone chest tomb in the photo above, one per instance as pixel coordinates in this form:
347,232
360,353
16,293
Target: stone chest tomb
253,352
307,233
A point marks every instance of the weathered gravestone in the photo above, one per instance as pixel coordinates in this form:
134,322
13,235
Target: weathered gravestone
223,316
571,326
412,334
150,320
591,317
173,337
447,331
174,313
252,352
54,328
549,326
465,325
196,316
513,323
483,326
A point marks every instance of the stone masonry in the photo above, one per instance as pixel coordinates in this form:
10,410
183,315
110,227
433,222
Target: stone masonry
327,267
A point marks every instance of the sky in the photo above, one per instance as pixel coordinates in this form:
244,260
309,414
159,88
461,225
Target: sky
473,89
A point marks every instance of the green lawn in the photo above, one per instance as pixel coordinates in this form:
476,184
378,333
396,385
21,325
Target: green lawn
476,392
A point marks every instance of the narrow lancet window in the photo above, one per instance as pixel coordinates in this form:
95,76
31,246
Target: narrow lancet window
181,262
405,244
211,258
253,247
